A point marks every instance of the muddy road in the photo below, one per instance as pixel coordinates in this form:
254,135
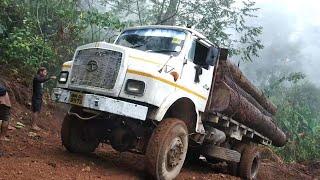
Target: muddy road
40,155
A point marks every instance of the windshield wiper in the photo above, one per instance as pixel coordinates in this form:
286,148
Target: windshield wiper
136,45
160,70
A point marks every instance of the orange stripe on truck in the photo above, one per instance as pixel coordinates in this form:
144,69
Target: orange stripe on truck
166,82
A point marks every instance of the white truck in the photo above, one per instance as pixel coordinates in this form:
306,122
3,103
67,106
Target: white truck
149,92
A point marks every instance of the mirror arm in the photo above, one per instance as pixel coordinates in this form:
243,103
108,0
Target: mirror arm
198,73
185,60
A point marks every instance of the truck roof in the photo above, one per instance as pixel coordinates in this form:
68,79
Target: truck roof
192,31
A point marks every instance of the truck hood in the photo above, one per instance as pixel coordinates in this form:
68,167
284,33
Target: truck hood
132,55
132,59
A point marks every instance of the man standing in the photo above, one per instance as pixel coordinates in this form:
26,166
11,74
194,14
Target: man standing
38,81
5,106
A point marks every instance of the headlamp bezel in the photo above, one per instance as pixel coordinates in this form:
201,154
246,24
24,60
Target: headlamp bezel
67,76
139,83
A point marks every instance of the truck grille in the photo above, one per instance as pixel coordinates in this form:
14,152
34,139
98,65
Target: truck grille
96,68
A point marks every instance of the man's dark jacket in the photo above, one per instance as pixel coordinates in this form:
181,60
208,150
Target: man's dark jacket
38,86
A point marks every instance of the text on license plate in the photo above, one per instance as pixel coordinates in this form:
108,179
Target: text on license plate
76,98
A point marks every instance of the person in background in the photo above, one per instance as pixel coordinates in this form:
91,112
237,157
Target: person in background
5,106
37,92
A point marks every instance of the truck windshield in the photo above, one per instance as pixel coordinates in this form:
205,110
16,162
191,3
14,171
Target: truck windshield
158,40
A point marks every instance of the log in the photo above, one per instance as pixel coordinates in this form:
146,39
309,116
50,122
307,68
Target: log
243,93
227,101
232,71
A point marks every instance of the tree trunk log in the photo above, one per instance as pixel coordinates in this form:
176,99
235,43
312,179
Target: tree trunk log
229,102
228,69
243,93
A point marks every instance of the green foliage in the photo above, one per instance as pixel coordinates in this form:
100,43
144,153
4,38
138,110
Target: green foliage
95,22
278,73
298,114
46,33
23,48
225,23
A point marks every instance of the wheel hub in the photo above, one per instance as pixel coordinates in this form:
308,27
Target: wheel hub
175,153
255,167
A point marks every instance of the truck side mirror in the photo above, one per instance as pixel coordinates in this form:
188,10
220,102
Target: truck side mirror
212,56
223,54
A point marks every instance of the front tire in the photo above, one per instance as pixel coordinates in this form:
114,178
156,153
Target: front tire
167,149
76,137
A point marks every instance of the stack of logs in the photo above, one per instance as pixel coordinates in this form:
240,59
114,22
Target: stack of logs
234,95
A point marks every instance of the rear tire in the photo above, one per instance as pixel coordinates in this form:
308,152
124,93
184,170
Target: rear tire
75,136
250,163
167,149
233,166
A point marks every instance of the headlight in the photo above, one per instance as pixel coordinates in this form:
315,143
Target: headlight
63,77
135,87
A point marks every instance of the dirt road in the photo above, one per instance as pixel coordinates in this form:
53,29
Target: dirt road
40,155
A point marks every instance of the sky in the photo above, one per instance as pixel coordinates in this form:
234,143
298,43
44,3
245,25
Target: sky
305,13
295,21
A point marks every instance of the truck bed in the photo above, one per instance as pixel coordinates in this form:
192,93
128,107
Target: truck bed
241,107
235,129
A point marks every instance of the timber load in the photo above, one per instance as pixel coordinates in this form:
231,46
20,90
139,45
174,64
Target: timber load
235,96
227,69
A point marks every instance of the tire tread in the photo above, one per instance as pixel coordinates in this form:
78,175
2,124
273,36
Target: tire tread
156,140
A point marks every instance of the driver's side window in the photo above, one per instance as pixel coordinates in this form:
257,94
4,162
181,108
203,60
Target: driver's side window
198,54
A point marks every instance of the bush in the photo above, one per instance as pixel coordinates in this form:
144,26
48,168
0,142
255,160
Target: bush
298,114
24,49
46,33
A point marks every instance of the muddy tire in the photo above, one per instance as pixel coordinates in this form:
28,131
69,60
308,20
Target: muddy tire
250,163
167,149
75,137
233,166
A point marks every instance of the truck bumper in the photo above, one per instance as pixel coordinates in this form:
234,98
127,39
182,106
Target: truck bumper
100,103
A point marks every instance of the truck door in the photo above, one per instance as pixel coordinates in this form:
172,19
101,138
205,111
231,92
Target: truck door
196,73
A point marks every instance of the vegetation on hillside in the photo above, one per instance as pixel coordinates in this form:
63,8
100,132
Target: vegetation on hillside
278,72
46,33
299,115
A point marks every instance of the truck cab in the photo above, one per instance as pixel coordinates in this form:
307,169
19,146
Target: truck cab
152,65
146,93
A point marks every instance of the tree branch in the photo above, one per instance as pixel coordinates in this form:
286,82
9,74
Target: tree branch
161,11
139,13
127,9
172,15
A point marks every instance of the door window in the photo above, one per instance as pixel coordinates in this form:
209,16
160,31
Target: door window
198,54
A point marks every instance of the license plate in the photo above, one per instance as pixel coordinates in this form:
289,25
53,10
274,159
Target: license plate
76,98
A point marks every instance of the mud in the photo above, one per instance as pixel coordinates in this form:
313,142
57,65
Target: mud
40,155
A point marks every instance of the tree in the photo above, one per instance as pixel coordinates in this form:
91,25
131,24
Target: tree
222,21
45,33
